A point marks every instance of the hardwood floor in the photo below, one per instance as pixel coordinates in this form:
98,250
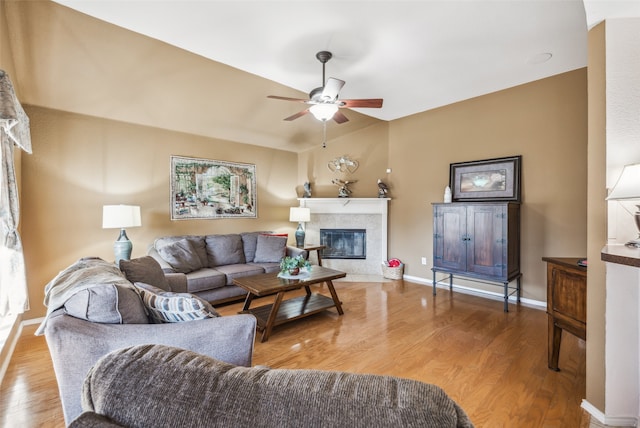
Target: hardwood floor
494,364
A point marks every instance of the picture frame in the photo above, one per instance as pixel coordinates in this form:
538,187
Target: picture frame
212,189
486,180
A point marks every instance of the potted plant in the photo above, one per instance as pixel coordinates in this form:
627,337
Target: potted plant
292,265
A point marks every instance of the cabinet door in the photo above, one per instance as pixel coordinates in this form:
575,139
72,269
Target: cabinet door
449,226
487,243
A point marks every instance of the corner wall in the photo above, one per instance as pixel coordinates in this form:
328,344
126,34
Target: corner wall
596,218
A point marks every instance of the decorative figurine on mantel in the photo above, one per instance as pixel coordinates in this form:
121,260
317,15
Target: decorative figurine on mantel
383,189
343,190
307,190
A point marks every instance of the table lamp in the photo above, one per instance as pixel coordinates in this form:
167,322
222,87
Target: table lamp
120,217
628,187
301,215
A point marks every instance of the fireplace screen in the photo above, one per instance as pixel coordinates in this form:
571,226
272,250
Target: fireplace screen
344,243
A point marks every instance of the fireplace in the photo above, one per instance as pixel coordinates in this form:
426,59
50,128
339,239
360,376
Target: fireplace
344,243
366,214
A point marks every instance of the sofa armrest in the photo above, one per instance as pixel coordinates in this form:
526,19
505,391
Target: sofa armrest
75,345
166,267
177,282
295,251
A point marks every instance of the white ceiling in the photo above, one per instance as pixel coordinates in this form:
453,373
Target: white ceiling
417,55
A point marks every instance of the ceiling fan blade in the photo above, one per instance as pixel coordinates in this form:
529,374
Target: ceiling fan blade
339,117
297,115
365,103
332,89
275,97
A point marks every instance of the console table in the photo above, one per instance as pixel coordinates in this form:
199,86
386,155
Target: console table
566,303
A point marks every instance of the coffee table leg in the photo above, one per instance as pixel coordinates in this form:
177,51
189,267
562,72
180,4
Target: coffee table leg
247,302
272,316
334,296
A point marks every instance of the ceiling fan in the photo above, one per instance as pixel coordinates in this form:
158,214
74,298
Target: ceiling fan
324,102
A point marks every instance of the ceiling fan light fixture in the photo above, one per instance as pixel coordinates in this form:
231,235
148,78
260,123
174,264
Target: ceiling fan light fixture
323,112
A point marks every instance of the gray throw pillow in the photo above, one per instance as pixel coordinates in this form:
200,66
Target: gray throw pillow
145,269
107,304
224,250
165,307
249,242
181,256
270,249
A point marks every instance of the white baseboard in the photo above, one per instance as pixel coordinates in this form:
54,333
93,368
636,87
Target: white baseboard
537,304
609,421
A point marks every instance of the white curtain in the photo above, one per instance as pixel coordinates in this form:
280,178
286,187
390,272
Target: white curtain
14,130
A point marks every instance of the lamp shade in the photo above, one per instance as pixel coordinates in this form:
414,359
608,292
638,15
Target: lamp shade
628,184
299,214
120,216
323,112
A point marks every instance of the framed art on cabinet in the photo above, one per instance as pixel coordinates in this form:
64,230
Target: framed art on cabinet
486,180
210,189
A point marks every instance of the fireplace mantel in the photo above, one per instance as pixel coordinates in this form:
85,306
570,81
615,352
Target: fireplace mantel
346,205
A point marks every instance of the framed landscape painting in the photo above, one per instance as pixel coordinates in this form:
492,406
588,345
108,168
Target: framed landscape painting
486,180
211,189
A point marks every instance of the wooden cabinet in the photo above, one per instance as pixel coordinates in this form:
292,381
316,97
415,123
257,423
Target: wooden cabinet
479,240
566,303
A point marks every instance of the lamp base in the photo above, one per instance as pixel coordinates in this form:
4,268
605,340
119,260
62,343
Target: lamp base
300,236
122,247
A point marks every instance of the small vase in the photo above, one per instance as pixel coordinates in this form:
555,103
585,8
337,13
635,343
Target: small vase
294,271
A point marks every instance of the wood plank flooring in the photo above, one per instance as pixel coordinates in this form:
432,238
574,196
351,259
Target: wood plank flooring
494,364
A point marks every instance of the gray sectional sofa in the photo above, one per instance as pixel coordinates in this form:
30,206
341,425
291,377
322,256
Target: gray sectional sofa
211,262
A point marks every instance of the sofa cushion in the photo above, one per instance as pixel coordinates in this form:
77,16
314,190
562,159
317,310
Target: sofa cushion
181,256
224,250
270,248
145,269
165,306
236,271
268,267
196,241
108,304
205,279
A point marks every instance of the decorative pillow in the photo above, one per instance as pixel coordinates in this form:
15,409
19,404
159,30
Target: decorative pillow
224,250
249,242
181,256
145,269
164,306
270,249
196,241
107,304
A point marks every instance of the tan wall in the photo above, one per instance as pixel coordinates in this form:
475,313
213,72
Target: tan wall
596,218
545,122
369,147
81,163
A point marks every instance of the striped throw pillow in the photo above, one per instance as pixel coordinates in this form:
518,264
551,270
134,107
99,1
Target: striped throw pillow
165,306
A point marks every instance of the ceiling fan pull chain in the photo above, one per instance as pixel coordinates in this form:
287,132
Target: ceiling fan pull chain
324,134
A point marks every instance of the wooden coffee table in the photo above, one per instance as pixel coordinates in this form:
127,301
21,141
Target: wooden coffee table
283,311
